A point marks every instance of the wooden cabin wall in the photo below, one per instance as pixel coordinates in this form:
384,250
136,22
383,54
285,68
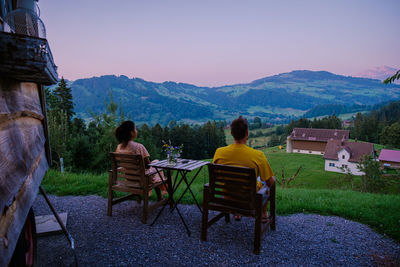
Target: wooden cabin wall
23,161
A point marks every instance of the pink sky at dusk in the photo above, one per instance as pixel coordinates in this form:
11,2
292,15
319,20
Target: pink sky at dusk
219,42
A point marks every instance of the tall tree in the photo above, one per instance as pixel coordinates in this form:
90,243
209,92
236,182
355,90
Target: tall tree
390,135
63,99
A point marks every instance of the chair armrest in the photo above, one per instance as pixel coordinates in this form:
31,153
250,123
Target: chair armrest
153,172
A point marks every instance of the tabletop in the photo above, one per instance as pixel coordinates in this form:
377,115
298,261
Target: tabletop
182,164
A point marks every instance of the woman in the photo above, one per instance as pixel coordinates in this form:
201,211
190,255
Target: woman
125,135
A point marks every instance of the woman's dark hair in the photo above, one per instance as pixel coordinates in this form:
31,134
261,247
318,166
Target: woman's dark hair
239,128
123,132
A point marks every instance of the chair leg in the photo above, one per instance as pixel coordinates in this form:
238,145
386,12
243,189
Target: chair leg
110,195
109,207
257,226
145,207
272,207
204,222
257,235
227,217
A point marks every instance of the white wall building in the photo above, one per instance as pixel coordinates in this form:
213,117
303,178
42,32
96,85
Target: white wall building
341,156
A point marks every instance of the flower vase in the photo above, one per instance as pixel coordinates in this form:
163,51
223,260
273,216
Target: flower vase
172,159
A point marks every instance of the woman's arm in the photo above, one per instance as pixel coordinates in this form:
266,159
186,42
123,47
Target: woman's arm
146,162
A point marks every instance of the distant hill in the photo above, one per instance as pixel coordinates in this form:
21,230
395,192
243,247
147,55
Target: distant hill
277,98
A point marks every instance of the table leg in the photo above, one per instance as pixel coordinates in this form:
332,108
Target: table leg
188,188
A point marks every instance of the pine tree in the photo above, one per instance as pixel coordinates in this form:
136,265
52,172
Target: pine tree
63,98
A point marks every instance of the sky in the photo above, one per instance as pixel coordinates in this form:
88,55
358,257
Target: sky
220,42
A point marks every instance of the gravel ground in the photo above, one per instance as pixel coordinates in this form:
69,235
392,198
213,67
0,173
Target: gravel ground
122,240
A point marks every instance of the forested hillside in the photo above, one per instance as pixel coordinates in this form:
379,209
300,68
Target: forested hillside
277,98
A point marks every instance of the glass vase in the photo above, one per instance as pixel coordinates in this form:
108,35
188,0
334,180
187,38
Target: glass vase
172,159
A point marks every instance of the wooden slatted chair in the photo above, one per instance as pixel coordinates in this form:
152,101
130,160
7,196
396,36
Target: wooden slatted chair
128,175
233,190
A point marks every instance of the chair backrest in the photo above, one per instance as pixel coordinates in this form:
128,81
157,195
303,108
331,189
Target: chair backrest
233,186
129,169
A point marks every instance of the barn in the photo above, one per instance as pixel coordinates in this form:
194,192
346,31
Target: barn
390,158
313,141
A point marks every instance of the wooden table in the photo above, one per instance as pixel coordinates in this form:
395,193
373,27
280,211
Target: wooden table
183,167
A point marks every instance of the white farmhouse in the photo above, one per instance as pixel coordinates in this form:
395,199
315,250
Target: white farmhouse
344,154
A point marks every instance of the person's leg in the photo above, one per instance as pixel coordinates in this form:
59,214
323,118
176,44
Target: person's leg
264,218
270,182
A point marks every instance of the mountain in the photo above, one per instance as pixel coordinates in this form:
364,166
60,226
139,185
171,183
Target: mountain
277,98
380,73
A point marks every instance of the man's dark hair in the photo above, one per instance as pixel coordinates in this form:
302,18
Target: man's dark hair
239,127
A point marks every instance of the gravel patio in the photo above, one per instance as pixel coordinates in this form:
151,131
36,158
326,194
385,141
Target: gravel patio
122,240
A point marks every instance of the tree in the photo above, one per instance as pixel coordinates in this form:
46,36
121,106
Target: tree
63,99
391,79
372,179
390,135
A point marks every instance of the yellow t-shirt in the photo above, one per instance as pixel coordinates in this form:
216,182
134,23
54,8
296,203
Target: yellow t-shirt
244,156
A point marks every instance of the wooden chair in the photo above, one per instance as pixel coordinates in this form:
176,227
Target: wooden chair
127,174
233,190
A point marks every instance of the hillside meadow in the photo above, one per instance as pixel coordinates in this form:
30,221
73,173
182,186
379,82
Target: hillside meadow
312,191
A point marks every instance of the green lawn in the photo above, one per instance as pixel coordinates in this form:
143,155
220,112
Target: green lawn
312,174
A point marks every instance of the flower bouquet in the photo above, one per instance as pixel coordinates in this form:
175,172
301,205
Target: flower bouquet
173,152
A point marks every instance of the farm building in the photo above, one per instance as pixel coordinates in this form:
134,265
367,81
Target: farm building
390,158
344,154
313,141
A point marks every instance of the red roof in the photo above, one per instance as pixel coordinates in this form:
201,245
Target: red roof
321,135
390,155
355,149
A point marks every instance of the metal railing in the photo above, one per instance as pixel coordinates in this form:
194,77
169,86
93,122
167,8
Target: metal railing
26,22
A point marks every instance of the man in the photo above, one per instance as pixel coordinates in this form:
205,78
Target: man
239,154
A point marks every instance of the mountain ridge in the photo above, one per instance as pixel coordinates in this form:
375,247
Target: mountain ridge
277,98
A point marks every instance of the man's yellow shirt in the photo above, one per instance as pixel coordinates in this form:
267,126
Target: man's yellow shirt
244,156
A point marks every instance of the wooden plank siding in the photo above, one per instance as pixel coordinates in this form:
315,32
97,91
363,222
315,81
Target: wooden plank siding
23,157
309,145
395,165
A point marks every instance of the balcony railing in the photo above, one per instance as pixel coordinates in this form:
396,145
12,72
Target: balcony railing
26,22
26,58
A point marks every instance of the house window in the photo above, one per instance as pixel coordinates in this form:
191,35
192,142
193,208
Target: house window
331,164
343,156
298,150
344,166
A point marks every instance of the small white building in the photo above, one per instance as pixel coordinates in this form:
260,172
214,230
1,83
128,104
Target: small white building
346,155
